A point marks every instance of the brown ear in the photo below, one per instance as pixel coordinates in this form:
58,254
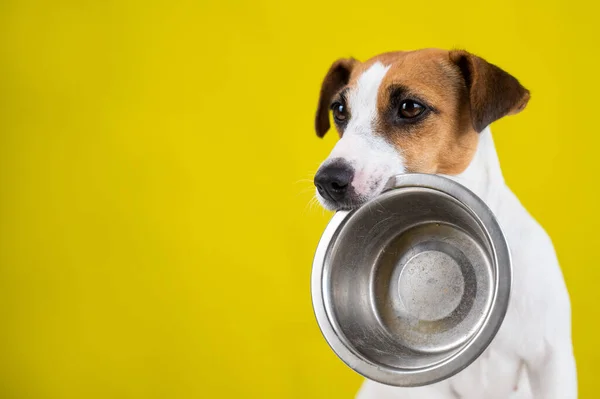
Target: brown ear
493,93
336,78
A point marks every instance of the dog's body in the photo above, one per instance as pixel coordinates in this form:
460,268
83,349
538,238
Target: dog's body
532,354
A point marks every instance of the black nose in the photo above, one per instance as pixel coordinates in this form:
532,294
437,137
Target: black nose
333,181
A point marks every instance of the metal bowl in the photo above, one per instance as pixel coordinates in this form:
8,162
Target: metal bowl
411,287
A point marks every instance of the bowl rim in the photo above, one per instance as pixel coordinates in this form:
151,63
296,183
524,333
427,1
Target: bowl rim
471,349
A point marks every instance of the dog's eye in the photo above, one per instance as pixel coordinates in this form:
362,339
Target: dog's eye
410,109
339,111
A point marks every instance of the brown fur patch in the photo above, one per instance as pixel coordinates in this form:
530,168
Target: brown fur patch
443,141
493,93
337,77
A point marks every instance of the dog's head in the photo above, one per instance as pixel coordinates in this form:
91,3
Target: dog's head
418,111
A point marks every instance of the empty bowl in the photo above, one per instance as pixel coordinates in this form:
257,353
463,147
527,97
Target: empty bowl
411,287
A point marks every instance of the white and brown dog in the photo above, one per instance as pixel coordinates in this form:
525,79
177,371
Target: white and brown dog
429,111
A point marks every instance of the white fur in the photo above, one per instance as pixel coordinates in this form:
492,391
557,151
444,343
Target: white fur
531,357
371,156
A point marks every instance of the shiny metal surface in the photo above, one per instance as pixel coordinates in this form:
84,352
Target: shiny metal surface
411,287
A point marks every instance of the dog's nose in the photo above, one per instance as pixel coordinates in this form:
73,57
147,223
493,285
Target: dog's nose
333,181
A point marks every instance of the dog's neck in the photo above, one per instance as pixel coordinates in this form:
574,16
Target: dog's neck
483,176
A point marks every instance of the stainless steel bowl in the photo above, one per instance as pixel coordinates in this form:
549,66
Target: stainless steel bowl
411,287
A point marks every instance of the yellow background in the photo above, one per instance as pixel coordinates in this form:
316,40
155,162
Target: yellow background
155,169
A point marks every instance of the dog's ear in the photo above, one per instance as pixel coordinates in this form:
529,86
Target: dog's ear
493,93
336,78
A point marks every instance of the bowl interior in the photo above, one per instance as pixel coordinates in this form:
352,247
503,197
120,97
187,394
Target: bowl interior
409,279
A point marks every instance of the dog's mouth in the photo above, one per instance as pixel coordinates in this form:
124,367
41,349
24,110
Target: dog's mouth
348,202
340,205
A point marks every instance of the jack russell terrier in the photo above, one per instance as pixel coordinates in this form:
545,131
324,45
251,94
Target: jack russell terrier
429,111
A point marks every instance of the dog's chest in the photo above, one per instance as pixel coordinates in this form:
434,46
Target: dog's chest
497,374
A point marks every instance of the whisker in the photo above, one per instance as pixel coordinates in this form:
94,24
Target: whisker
307,207
304,181
310,205
305,190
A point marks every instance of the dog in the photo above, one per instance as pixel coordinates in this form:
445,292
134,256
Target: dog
429,111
